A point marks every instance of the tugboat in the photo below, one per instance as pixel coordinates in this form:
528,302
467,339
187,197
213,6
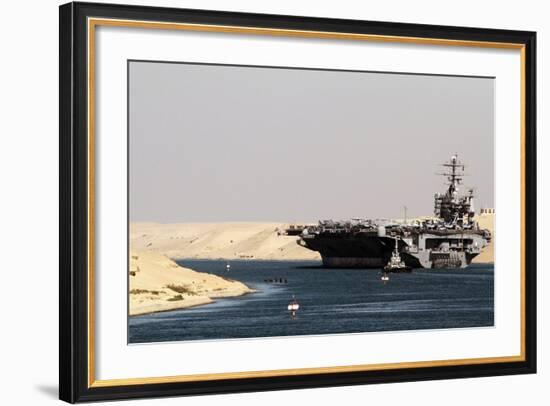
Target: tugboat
396,264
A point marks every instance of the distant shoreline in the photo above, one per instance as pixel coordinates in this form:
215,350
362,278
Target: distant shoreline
223,241
245,259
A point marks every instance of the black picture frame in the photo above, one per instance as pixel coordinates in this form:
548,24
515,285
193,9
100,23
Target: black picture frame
74,383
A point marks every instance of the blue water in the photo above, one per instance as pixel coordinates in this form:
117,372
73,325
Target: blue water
331,301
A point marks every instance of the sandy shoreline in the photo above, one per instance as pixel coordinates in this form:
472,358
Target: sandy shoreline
157,284
143,312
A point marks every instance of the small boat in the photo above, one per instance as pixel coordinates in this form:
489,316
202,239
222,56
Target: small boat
385,278
396,264
293,306
227,267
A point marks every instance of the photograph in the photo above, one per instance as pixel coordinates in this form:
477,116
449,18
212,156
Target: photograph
275,201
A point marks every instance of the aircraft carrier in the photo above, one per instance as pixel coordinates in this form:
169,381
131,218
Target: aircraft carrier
450,239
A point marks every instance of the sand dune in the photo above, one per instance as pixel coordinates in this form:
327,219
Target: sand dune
487,256
219,241
158,284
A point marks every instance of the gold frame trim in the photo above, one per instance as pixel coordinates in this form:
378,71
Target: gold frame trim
94,22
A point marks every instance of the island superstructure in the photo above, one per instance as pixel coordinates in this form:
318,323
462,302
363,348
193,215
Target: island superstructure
450,239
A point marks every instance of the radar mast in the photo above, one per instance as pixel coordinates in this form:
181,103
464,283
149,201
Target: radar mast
452,207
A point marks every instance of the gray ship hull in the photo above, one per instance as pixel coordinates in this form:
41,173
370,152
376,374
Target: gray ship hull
361,250
368,250
352,262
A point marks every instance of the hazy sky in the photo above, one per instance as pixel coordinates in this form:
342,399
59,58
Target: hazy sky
228,143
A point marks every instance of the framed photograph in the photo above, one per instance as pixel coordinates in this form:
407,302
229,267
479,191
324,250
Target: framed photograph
255,202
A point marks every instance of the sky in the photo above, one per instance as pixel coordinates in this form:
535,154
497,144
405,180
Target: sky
212,143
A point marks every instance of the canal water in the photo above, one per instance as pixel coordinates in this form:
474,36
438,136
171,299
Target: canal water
331,301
